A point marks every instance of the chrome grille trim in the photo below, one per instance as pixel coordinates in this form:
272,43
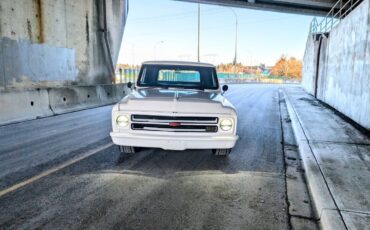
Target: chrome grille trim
182,123
168,119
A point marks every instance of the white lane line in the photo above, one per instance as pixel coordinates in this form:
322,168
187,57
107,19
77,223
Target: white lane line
55,169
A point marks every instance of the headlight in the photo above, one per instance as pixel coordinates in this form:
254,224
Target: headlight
226,124
122,120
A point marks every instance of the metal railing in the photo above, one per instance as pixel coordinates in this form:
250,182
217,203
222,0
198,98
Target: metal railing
340,10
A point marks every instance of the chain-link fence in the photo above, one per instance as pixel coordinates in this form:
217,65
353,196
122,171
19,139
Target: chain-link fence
124,75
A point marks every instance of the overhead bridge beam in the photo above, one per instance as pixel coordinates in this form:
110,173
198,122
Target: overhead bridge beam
307,7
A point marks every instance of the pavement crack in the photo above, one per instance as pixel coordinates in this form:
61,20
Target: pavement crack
284,163
354,211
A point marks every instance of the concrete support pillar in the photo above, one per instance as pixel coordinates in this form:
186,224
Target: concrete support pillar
48,43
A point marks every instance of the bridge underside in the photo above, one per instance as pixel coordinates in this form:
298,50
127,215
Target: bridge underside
310,7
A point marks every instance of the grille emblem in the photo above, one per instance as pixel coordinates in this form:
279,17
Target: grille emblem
174,124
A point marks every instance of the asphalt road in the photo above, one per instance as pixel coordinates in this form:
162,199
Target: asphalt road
153,189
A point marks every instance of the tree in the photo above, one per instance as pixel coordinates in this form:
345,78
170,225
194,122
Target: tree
285,67
280,67
294,68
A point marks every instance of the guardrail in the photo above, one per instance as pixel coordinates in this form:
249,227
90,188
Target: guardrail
340,10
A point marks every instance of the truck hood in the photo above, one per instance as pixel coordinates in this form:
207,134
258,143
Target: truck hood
176,101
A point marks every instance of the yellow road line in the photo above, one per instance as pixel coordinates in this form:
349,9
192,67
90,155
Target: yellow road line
53,170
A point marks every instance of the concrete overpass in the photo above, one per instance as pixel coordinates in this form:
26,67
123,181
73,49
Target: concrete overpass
310,7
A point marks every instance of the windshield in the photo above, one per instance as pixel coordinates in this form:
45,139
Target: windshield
171,76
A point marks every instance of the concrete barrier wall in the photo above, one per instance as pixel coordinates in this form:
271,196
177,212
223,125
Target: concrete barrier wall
18,106
26,105
343,79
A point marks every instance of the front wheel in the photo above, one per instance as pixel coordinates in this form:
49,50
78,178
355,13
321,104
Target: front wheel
221,152
127,149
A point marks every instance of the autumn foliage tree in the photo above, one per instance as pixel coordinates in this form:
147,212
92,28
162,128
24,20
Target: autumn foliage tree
291,68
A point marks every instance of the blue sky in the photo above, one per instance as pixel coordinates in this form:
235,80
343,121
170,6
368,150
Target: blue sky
263,36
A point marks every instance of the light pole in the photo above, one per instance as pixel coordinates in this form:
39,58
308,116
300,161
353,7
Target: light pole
155,49
198,32
236,39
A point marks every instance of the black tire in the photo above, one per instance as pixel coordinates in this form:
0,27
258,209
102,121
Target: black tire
221,152
127,149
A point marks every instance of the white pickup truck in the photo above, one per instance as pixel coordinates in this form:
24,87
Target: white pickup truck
175,106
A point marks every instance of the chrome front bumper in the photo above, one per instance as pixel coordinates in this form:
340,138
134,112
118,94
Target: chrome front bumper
174,142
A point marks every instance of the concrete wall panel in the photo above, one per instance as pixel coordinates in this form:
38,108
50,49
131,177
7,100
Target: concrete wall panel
116,9
69,99
79,26
24,64
76,21
111,93
344,68
25,105
309,65
347,72
55,29
75,98
20,19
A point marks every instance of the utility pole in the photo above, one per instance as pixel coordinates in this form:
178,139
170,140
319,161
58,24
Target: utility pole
198,32
236,40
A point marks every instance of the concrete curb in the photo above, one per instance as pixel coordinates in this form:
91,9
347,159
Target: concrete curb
323,203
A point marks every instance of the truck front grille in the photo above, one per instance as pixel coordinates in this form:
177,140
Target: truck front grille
174,123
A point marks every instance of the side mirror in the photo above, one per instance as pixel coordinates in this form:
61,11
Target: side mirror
225,88
129,84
